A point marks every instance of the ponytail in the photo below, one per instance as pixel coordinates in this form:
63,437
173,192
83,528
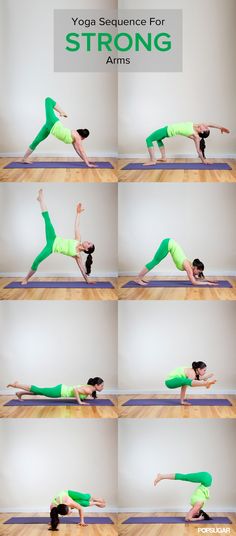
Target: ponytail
61,509
95,381
198,365
89,260
203,135
204,515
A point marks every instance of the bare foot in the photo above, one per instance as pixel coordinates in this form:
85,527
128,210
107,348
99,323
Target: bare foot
157,479
26,161
185,403
19,395
150,163
210,383
40,194
141,282
24,282
162,160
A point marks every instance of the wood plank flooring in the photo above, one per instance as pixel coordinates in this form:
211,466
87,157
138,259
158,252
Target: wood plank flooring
65,530
168,530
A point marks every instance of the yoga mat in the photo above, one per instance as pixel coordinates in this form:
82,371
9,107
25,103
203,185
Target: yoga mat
176,165
168,283
176,402
60,284
175,520
62,165
57,402
67,520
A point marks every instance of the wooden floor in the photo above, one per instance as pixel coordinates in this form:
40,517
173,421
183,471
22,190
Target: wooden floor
60,412
176,175
65,530
192,293
168,530
56,293
179,412
57,174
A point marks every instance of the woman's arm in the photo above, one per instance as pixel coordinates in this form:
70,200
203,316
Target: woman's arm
196,140
77,506
223,130
194,281
80,151
81,267
193,511
81,391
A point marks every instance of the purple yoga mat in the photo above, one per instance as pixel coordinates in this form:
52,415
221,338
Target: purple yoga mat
67,520
60,284
175,520
177,165
176,402
57,402
62,165
168,283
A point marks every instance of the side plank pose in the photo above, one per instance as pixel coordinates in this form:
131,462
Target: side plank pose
55,244
54,126
196,132
195,376
80,392
65,501
199,496
194,269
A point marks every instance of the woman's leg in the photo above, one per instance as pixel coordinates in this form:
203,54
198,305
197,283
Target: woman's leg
160,477
97,502
50,392
51,119
161,253
82,498
18,385
203,478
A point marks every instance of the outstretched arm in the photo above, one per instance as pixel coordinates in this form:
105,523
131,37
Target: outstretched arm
79,210
194,280
223,130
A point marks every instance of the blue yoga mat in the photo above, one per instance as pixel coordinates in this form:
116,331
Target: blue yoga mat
177,165
174,520
168,283
62,165
60,284
176,402
57,402
67,520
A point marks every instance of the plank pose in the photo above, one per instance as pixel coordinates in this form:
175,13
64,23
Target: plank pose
196,132
194,376
199,496
80,392
54,126
194,269
55,244
65,501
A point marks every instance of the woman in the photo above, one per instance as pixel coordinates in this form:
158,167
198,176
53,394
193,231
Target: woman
194,269
56,244
80,392
196,132
54,126
199,496
65,501
194,377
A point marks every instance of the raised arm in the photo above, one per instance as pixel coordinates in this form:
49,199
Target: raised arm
223,130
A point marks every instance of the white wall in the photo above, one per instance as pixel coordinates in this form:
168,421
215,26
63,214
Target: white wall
22,226
58,342
28,76
42,458
156,337
201,218
147,447
204,91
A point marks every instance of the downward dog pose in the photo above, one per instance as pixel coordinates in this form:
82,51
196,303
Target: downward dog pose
194,269
185,376
54,126
56,244
199,496
196,132
65,501
80,392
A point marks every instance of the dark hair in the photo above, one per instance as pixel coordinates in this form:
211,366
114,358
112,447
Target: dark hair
83,132
61,509
89,260
203,514
200,266
95,381
198,365
203,135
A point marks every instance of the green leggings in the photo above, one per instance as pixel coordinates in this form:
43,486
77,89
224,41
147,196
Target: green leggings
173,383
200,478
82,498
161,253
51,392
50,237
157,136
51,119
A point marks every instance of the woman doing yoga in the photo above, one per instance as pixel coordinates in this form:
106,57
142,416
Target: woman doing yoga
80,392
65,501
55,244
199,496
54,126
196,132
194,376
194,269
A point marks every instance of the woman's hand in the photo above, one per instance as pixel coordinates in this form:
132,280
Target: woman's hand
83,524
80,208
224,130
90,165
206,161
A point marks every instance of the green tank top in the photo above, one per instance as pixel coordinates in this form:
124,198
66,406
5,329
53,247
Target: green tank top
66,246
58,499
177,373
177,254
180,129
67,391
201,494
61,133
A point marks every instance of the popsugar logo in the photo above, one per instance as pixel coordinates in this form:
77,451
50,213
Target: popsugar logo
213,530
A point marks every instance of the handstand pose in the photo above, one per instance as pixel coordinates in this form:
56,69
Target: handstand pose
199,496
56,244
65,501
80,392
196,132
194,377
194,269
54,126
